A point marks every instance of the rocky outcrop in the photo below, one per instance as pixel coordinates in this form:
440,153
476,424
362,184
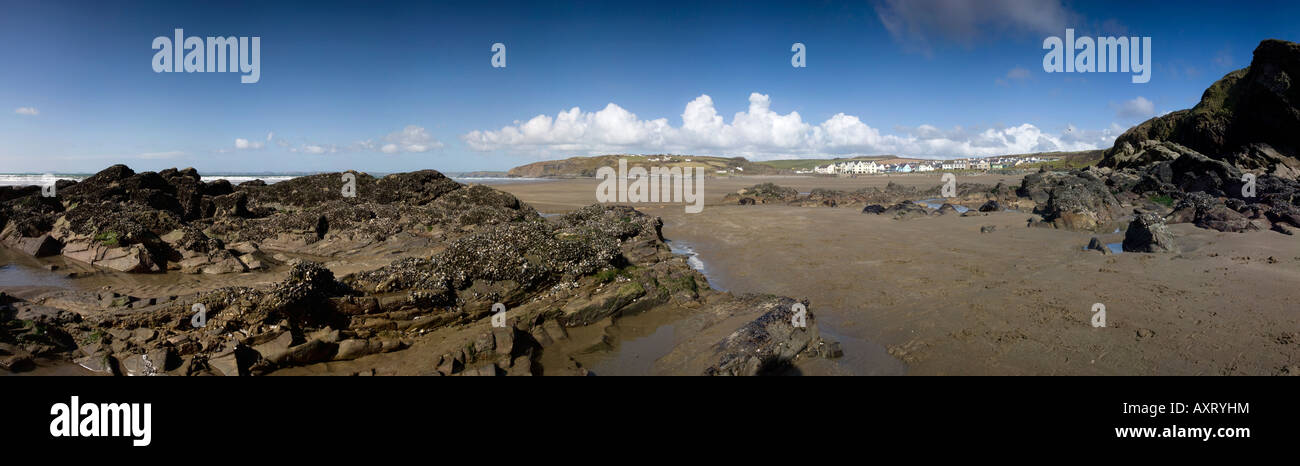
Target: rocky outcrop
151,222
1246,119
1148,233
764,193
769,344
1078,200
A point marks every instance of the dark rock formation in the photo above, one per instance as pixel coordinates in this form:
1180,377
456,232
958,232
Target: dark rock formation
1148,233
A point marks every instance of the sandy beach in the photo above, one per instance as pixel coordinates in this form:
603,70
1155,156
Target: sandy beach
935,296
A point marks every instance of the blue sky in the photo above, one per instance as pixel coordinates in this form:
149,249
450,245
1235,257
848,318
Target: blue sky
340,82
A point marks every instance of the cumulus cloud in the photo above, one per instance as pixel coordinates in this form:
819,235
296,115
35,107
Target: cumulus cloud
1138,108
759,133
919,23
410,139
244,144
30,111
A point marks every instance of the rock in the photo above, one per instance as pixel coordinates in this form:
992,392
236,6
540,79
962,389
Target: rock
41,246
132,259
251,262
353,348
143,335
449,365
1222,218
1240,118
1078,200
766,345
906,211
275,350
505,340
873,209
244,247
764,193
746,201
1144,333
988,228
604,304
227,365
16,360
1148,233
1095,244
231,205
151,363
315,350
990,206
98,363
352,305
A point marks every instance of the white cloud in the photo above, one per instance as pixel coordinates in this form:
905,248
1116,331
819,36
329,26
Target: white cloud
759,132
1138,108
241,143
412,138
31,111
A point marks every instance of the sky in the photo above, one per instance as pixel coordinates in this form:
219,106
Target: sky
397,86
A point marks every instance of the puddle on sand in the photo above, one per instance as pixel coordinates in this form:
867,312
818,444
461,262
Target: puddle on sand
630,346
45,367
13,275
938,202
1115,248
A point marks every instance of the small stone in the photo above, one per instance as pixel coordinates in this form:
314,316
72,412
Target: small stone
1144,333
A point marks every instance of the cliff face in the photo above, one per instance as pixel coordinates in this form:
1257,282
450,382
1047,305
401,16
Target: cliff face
1249,118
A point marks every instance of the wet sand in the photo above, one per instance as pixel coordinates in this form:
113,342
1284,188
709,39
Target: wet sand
940,297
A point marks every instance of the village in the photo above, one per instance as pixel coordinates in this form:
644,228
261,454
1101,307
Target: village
872,167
